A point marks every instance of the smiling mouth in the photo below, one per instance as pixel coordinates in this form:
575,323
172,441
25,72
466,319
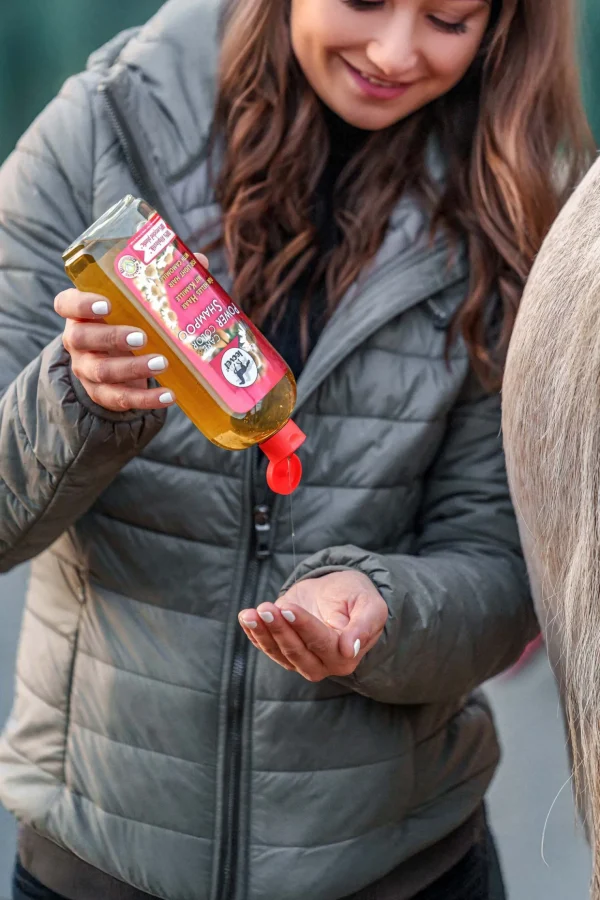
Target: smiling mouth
378,82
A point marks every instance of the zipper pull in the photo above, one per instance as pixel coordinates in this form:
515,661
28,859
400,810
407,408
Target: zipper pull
262,531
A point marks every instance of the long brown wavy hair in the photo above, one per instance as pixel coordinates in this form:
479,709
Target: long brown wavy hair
513,134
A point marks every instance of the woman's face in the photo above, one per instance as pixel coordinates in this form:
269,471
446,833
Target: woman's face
373,62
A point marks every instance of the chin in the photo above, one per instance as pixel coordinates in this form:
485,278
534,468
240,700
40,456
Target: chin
368,121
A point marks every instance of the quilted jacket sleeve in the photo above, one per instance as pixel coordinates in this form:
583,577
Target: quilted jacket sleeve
460,608
58,451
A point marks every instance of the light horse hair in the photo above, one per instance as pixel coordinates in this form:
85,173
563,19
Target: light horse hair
551,423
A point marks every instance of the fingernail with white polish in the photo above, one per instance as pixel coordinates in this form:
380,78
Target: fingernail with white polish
100,308
136,339
356,647
250,623
267,617
167,397
157,364
288,615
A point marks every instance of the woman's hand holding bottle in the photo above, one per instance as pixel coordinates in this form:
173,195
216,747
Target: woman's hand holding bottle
101,356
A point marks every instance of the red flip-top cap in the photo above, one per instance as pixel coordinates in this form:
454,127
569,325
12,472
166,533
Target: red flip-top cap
285,469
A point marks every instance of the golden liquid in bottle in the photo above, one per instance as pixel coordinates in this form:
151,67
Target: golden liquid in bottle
89,264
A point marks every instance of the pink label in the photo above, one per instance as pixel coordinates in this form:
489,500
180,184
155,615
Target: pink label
198,317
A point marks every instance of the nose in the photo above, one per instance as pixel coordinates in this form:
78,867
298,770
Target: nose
393,49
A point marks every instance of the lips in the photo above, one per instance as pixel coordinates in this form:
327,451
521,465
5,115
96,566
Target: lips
376,87
379,81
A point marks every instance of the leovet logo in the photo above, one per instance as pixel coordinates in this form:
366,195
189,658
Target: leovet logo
153,239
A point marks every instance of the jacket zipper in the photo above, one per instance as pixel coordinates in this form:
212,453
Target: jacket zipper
128,146
260,550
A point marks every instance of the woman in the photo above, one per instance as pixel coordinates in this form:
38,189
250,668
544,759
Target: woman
551,413
371,174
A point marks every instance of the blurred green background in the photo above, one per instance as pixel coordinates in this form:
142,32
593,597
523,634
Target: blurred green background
42,42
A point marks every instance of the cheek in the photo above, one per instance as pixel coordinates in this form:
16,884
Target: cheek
448,58
319,27
304,38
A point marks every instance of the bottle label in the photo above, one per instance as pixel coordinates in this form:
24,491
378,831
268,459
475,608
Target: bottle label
198,317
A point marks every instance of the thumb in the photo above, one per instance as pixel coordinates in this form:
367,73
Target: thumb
367,619
202,259
337,620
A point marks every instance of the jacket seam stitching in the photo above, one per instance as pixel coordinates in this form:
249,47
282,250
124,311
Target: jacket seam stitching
145,458
112,740
27,151
189,168
364,765
29,445
455,787
44,624
405,354
60,789
310,700
176,612
161,534
105,152
19,218
302,555
58,168
393,420
37,695
171,684
12,494
32,762
26,270
66,97
357,837
357,487
82,570
389,825
69,692
135,821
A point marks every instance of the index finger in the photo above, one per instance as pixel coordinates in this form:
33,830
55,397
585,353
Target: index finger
290,645
74,304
